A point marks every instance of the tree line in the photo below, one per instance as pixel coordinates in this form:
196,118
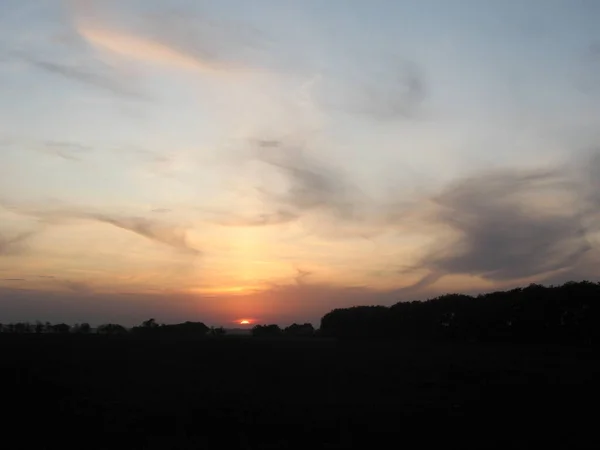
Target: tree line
147,328
569,313
152,328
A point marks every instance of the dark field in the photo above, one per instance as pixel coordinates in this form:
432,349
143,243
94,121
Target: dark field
127,392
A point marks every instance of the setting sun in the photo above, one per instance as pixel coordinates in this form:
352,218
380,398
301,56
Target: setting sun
244,322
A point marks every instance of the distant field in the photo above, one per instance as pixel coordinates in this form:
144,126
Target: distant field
274,393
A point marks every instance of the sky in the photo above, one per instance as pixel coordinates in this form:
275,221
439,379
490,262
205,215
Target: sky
272,160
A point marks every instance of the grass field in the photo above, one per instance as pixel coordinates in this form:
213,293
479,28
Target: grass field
127,392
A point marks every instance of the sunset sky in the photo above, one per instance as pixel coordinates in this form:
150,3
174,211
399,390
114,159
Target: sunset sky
275,159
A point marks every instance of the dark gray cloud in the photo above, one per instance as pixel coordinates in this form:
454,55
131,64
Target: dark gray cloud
503,232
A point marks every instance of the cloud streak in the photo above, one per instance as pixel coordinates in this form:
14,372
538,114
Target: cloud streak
172,236
174,39
84,75
260,220
69,151
14,244
150,229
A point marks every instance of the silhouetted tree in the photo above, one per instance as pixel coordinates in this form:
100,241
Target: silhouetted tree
111,329
150,323
82,328
39,327
189,329
186,329
303,330
217,331
61,328
22,327
358,321
266,330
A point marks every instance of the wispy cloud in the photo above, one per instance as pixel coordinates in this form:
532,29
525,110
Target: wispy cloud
310,184
264,219
386,90
172,236
95,77
70,151
78,287
302,275
154,230
14,244
300,187
174,39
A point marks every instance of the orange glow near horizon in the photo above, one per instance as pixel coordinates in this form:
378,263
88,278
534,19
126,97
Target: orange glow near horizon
244,321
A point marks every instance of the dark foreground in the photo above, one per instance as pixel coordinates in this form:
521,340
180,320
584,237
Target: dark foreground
101,392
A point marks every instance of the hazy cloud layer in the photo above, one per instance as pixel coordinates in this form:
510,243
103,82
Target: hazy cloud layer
505,224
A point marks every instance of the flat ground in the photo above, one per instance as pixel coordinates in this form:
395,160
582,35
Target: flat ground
99,392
